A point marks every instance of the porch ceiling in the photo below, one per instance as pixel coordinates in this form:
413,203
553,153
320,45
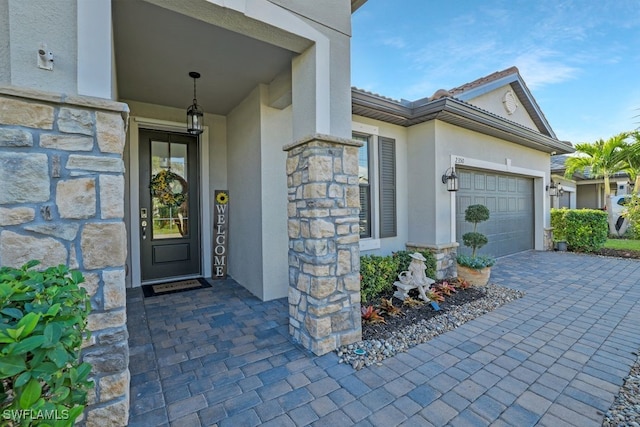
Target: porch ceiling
155,48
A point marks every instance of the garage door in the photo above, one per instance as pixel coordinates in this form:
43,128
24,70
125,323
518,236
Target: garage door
510,202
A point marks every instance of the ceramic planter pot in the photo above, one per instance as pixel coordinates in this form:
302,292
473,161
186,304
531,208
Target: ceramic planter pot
473,276
561,245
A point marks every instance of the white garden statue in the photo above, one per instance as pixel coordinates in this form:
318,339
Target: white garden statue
414,278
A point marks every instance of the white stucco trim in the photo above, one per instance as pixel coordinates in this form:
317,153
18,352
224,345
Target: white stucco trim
134,193
363,128
95,49
369,244
279,17
539,180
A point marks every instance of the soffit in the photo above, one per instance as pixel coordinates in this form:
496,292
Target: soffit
155,48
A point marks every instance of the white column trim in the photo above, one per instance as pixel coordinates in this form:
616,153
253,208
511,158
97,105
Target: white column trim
95,48
134,193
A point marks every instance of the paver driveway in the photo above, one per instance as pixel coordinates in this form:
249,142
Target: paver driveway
555,357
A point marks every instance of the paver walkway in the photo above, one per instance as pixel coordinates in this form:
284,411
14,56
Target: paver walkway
556,357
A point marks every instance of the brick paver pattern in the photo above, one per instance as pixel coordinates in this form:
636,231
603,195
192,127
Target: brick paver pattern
556,357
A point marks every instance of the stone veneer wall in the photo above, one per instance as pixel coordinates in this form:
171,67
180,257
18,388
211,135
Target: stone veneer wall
62,202
446,265
324,235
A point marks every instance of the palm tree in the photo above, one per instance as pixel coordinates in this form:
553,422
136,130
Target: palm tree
604,158
633,160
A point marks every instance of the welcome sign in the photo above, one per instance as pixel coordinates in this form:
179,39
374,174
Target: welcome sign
220,233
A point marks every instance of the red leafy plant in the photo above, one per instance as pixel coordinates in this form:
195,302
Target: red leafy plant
446,288
371,315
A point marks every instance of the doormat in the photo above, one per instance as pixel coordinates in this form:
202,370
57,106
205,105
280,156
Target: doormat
174,287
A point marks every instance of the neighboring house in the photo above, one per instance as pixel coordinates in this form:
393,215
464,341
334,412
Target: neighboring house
295,148
495,136
582,190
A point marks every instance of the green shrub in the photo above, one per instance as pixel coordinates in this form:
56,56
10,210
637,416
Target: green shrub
43,318
559,225
404,259
633,213
585,230
377,274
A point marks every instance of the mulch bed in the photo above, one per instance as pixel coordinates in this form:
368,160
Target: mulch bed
619,253
412,315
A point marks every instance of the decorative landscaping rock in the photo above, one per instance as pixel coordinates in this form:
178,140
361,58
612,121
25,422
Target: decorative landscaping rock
376,350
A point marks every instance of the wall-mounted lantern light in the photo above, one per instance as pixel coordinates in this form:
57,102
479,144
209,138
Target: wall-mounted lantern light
451,179
194,113
553,189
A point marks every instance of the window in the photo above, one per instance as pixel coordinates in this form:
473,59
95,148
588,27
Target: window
378,217
364,161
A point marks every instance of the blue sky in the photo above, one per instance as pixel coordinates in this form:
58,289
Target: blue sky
580,58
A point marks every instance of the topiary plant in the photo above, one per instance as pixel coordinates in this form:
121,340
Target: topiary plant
474,239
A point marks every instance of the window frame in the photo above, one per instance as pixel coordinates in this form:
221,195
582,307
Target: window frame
371,178
373,134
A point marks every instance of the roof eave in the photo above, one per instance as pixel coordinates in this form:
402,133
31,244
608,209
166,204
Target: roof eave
456,112
355,4
524,95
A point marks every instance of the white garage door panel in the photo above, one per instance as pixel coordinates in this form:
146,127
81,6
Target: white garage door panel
510,202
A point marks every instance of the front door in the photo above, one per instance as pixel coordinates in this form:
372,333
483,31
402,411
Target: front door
169,220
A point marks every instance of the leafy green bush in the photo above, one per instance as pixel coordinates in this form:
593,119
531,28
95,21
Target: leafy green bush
377,275
585,230
633,213
559,225
43,318
404,259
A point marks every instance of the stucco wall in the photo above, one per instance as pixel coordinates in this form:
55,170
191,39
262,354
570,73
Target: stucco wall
245,183
423,204
587,196
5,67
492,101
34,22
276,132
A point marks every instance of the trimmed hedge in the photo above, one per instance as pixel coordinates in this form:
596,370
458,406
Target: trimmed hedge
378,273
585,230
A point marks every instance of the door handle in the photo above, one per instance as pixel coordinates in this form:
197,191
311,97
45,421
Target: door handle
143,216
144,229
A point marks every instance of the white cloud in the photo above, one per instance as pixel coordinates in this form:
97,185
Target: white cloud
540,68
397,42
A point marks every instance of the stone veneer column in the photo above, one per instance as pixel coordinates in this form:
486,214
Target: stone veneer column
62,202
445,254
324,235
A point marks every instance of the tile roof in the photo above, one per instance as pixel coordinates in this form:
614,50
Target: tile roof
484,80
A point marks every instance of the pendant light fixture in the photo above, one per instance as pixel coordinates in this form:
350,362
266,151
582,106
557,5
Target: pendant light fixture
194,113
